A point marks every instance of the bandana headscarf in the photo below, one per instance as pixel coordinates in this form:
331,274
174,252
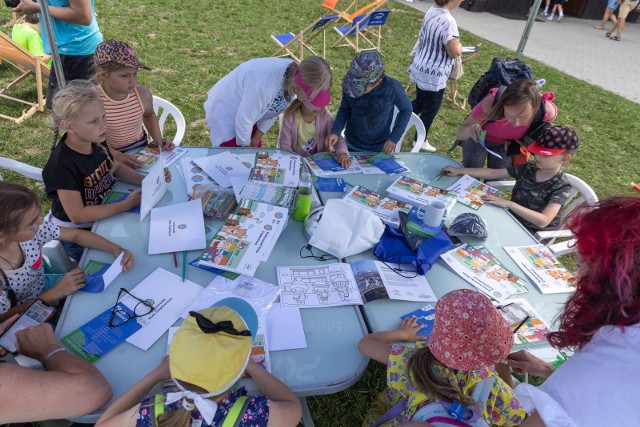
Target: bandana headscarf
365,68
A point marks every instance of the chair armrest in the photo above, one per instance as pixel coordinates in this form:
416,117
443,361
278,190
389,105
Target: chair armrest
502,185
57,257
552,234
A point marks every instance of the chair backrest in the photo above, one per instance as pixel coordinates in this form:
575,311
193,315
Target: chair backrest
421,132
581,192
322,21
330,4
21,168
19,56
164,109
367,8
361,22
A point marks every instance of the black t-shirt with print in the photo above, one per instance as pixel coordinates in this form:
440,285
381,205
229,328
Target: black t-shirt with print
89,174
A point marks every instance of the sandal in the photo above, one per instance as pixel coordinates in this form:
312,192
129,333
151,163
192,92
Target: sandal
616,38
608,33
599,27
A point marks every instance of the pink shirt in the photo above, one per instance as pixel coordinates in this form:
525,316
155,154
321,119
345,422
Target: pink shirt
500,131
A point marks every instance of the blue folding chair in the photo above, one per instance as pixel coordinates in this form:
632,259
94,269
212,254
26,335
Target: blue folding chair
365,27
294,45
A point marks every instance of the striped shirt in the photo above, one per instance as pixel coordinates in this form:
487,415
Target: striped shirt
124,120
432,64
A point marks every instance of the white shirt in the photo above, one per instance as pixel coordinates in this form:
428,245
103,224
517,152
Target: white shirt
432,64
598,386
242,98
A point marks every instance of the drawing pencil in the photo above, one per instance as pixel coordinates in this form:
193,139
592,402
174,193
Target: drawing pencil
184,265
175,260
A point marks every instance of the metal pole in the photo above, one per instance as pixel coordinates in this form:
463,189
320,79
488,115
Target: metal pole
533,12
48,28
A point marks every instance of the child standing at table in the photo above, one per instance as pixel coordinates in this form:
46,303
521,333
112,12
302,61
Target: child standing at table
469,337
305,125
80,171
541,187
22,235
127,104
369,98
208,355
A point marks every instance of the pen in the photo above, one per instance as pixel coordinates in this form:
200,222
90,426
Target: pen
184,265
521,324
175,260
439,176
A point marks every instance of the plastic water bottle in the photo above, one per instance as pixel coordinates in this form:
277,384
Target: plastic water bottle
303,200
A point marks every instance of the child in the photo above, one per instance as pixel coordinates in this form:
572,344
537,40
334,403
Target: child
127,104
80,171
557,5
541,188
26,33
22,235
208,355
367,107
469,336
304,127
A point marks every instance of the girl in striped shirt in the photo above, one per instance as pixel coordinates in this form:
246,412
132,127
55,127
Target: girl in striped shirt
127,104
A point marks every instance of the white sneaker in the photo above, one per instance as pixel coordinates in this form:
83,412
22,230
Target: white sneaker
427,147
545,12
550,18
560,17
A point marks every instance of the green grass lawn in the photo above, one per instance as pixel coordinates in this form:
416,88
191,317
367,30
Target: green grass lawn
190,45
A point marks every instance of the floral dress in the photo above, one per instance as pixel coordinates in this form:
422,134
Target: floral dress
502,409
256,414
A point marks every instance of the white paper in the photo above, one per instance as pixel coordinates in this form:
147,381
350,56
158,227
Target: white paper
153,188
176,228
418,193
222,166
470,191
169,157
284,329
193,175
172,331
405,287
543,268
112,272
169,296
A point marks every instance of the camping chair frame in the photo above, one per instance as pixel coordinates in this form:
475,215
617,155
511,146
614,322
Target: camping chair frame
299,41
30,65
363,24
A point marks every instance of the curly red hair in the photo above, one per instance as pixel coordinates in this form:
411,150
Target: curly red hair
608,286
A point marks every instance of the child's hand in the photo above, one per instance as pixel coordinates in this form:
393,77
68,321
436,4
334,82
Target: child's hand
344,160
330,141
127,259
167,145
495,200
389,146
409,328
70,282
133,199
127,159
475,132
450,171
167,175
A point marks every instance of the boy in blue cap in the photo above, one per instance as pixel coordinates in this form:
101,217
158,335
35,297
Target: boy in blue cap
367,107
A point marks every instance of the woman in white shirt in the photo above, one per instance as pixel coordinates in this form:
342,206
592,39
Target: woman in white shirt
598,385
243,105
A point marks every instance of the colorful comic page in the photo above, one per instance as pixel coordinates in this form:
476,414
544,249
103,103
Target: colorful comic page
480,267
470,191
276,169
418,193
150,154
543,268
385,208
529,327
194,176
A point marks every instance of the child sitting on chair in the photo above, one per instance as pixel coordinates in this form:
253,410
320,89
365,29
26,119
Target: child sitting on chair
367,107
127,104
541,188
26,33
305,125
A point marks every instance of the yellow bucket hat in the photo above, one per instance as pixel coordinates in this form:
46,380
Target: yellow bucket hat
212,347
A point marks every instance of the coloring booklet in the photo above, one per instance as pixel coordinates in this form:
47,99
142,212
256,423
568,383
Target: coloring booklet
276,168
386,209
324,164
193,176
223,166
150,154
480,267
246,238
418,193
271,194
470,191
377,280
531,329
543,268
425,315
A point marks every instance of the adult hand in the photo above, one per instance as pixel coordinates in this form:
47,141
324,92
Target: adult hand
345,160
37,341
409,328
330,141
167,145
498,201
389,146
167,175
27,7
523,361
133,199
70,282
127,259
4,326
451,171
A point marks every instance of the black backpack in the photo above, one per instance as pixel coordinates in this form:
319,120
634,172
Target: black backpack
501,73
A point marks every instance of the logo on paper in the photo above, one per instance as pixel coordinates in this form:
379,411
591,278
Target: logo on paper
182,226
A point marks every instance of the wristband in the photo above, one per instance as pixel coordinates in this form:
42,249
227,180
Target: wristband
51,354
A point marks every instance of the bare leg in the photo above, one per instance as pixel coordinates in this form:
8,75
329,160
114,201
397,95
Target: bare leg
619,26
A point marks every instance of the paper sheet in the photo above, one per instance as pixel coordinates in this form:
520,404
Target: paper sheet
176,228
284,329
113,271
418,193
377,281
222,166
385,208
470,191
543,268
154,187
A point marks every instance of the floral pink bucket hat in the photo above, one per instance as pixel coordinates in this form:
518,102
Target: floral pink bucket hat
468,331
118,52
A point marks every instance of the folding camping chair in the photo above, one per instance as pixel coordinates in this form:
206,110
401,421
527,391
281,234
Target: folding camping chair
29,65
289,43
363,26
351,16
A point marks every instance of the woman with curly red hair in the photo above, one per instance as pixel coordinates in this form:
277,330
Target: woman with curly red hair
601,322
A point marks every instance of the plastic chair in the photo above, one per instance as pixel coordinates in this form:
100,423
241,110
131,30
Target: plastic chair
581,193
21,168
299,43
362,24
164,109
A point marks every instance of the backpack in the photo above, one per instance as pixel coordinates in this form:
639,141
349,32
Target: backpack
501,72
232,419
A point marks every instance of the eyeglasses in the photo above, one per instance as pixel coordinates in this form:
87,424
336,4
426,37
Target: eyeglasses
120,316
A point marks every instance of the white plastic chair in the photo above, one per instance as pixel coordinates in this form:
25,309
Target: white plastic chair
21,168
165,109
581,193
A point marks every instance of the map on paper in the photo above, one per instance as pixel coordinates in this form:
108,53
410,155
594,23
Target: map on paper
543,268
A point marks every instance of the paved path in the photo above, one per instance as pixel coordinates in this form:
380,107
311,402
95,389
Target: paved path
573,46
